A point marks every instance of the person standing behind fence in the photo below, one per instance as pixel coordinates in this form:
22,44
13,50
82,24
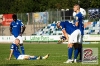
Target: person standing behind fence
17,28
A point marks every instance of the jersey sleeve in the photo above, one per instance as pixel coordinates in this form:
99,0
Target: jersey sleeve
21,23
12,47
62,25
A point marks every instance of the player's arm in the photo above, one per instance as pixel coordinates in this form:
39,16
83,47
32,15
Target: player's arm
87,24
65,34
10,28
23,29
11,52
76,24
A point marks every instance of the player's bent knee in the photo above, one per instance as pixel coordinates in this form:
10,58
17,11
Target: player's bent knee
68,45
71,45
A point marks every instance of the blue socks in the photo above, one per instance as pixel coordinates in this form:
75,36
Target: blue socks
70,51
33,58
76,53
22,49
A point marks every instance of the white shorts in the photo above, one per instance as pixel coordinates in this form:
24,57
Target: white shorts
75,37
20,38
21,57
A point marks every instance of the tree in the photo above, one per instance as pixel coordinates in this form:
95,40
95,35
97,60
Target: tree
24,6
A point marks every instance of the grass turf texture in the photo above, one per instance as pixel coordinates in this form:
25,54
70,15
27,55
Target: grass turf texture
58,55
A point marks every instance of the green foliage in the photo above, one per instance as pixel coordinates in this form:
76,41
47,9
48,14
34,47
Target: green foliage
24,6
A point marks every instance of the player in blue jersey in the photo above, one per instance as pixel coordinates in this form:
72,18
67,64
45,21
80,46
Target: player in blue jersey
79,23
14,50
17,28
73,36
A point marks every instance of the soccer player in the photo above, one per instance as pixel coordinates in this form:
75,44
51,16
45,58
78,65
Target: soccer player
73,35
17,28
79,23
15,51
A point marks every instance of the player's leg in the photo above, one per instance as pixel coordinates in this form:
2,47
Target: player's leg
45,57
75,52
74,39
80,47
70,51
28,57
80,52
23,57
39,57
21,44
13,41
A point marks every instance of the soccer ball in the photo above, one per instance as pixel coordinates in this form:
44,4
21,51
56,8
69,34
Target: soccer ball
82,11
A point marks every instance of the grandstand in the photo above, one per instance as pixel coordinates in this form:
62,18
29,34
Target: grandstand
51,29
94,28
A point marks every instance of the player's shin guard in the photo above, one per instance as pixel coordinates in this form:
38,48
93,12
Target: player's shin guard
22,49
70,51
75,53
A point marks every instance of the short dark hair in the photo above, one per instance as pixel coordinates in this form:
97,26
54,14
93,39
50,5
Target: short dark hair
77,5
14,16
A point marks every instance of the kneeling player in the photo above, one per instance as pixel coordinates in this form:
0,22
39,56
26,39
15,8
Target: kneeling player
74,36
15,51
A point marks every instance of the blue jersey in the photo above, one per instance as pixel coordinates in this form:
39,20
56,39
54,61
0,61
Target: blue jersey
79,19
69,27
16,27
15,49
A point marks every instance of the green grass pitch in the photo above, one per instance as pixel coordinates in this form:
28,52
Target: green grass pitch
58,55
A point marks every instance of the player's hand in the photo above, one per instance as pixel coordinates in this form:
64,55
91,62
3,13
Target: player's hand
8,59
67,38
